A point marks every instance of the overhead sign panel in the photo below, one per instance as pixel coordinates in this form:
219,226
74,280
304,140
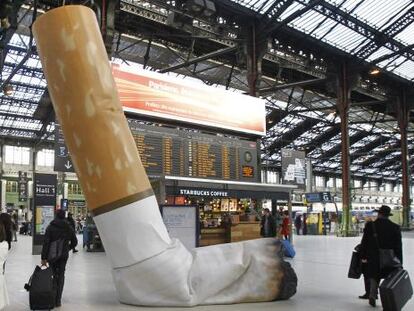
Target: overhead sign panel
293,168
22,185
318,197
156,95
63,163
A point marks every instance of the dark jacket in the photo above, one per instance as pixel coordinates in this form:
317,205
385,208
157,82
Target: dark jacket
6,219
59,229
71,222
268,228
389,237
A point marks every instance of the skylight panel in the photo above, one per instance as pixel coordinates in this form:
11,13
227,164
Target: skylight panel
377,12
379,53
307,21
323,28
392,62
255,4
406,70
407,35
20,41
293,8
340,35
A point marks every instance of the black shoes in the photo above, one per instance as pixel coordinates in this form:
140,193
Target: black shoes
75,251
365,296
372,302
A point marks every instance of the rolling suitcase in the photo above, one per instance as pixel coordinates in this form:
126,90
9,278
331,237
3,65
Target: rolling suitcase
41,287
396,290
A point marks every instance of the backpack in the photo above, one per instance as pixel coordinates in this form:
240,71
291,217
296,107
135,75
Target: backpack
56,250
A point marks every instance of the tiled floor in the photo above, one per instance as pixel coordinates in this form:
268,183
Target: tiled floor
321,264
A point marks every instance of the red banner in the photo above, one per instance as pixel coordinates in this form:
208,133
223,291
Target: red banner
163,96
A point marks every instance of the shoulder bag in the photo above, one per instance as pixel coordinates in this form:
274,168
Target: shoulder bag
387,258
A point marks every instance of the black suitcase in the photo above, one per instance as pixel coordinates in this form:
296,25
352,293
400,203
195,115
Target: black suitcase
42,291
396,290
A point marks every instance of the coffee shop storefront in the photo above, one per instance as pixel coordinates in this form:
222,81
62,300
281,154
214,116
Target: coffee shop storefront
228,211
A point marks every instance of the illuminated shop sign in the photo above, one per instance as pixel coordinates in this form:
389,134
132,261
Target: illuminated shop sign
162,96
203,193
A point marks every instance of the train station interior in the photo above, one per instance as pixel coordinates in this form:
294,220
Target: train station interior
302,108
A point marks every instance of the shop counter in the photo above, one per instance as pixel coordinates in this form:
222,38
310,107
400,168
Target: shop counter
245,230
212,236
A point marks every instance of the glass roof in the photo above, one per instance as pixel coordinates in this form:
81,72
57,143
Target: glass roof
27,87
297,127
378,14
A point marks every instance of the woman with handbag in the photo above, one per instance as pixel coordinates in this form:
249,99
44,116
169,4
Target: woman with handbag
381,250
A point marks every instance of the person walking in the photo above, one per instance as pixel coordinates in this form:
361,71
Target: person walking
7,222
267,224
305,225
298,223
15,225
285,225
379,234
59,229
4,249
72,223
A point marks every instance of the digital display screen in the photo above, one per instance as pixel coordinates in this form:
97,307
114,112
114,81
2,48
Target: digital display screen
248,171
166,151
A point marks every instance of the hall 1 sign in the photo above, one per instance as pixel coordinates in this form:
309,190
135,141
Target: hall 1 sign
63,163
44,207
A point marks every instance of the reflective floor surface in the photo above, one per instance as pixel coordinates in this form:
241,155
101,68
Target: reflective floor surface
321,264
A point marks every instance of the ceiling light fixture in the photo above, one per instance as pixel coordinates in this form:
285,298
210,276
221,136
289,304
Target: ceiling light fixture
374,71
8,90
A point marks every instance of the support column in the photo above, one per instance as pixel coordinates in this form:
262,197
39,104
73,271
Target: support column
403,113
105,13
36,250
343,91
256,47
290,218
309,176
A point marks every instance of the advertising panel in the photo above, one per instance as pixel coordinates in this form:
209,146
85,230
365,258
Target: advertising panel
293,168
182,223
162,96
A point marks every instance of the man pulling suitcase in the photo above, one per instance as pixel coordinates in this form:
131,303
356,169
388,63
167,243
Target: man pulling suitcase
381,240
60,238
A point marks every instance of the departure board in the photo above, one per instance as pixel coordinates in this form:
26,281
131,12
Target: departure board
170,151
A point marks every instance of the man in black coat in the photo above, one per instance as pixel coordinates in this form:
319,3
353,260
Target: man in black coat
59,229
72,223
389,237
267,224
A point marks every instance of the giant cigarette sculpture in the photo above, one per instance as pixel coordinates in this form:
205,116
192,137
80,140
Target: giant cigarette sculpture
149,268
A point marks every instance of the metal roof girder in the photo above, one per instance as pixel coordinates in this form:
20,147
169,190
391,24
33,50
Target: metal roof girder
357,25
